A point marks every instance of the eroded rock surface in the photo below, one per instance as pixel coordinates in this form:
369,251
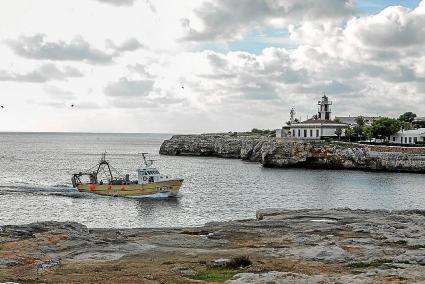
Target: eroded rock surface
285,246
274,152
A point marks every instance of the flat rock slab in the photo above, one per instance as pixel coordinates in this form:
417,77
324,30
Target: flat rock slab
285,246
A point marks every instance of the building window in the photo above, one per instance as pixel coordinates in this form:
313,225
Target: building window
401,140
311,132
393,138
293,132
299,132
415,140
410,140
405,139
317,133
305,132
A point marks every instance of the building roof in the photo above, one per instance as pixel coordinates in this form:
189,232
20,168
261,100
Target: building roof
419,131
318,121
420,118
352,119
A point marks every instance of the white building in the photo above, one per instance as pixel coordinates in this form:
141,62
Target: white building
408,136
317,128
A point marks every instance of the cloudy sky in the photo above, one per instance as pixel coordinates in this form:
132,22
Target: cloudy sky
200,66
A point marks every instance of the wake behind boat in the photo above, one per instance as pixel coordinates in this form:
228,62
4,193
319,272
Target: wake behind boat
149,181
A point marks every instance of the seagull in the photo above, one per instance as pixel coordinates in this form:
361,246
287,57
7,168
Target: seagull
72,105
183,87
2,106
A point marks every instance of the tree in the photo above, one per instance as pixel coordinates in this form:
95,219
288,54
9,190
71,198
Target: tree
406,125
360,125
385,127
349,133
338,132
360,121
368,132
407,117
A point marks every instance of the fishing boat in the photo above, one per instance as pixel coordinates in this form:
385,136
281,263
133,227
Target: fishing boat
101,180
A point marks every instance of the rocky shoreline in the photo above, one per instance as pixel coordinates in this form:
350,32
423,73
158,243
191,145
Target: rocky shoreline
280,246
276,152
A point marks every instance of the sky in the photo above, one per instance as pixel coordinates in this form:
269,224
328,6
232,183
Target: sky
195,66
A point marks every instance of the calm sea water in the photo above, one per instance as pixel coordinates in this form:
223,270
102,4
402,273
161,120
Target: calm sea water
35,171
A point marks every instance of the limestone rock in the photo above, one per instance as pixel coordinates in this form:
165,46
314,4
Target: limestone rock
275,152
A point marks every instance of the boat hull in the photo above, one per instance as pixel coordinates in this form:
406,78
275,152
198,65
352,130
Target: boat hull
165,188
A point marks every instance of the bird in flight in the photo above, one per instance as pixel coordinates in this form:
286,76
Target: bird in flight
183,87
72,105
2,106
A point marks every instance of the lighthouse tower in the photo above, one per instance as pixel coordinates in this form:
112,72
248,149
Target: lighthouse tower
292,115
324,108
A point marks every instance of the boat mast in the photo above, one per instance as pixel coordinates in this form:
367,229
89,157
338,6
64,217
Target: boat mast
144,158
104,162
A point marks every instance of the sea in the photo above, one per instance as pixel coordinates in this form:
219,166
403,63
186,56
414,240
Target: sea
36,169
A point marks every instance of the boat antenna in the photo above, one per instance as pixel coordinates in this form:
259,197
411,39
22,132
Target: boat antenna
103,157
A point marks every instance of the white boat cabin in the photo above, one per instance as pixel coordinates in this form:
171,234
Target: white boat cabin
149,175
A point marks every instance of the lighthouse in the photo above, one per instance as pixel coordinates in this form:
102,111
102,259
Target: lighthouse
324,108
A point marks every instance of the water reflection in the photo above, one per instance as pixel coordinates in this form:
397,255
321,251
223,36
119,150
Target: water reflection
150,206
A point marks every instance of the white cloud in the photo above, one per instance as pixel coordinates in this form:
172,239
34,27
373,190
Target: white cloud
44,73
125,61
230,19
129,88
37,47
58,93
393,28
118,2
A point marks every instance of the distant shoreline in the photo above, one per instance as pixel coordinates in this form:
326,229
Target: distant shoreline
70,132
284,153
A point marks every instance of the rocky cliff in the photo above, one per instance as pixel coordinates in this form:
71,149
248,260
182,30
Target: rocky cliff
273,152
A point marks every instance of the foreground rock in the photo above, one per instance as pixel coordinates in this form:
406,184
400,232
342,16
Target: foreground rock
283,246
274,152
